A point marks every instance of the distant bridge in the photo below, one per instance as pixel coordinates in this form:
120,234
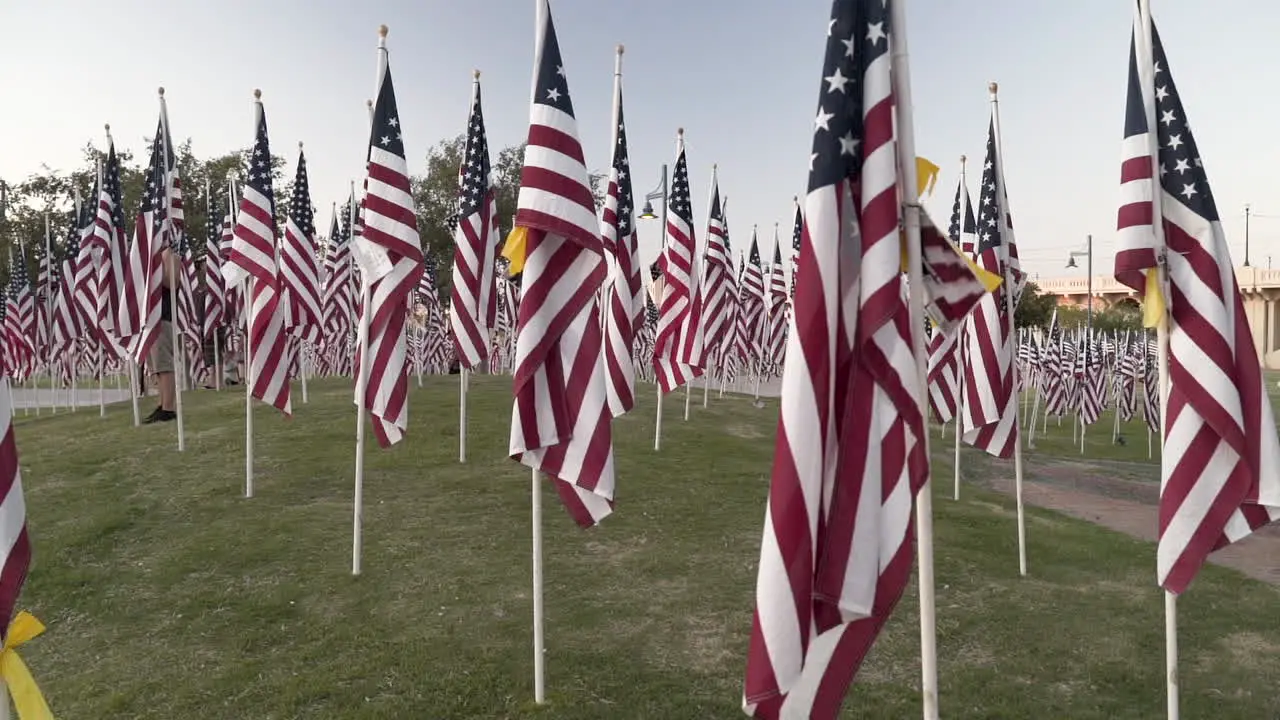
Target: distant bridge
1260,288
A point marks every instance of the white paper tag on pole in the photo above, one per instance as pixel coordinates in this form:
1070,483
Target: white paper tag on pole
373,260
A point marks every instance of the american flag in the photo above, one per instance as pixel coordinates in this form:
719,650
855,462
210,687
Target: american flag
1093,381
435,335
16,547
838,535
679,340
19,317
727,346
46,271
751,305
475,238
111,241
339,300
85,284
963,235
797,233
718,279
253,260
990,401
776,331
1221,458
390,255
1151,385
944,374
299,269
560,420
215,291
142,290
624,294
67,323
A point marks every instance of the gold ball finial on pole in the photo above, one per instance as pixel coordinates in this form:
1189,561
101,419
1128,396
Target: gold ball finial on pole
108,128
382,31
257,94
964,159
621,48
161,91
993,87
680,132
475,74
368,104
299,146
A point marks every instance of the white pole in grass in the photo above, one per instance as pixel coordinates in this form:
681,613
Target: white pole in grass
1146,72
362,347
688,395
302,367
539,653
657,425
924,499
706,387
462,413
135,387
961,407
993,88
362,384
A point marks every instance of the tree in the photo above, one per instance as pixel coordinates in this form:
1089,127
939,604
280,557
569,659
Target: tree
1035,309
436,195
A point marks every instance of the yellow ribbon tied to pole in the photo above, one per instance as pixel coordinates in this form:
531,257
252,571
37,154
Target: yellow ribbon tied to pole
1153,306
514,250
27,699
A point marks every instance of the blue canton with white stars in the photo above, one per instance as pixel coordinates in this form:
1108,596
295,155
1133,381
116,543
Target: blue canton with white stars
553,85
990,229
858,34
680,203
473,185
111,183
386,120
259,172
1181,172
626,201
153,196
300,204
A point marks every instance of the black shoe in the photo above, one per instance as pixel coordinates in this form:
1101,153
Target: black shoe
152,417
166,416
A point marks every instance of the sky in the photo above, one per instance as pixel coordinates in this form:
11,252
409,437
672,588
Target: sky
740,76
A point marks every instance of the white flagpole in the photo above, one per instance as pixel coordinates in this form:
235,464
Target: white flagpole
302,367
657,427
362,384
249,379
362,347
1145,71
539,653
924,499
688,395
993,88
462,413
961,407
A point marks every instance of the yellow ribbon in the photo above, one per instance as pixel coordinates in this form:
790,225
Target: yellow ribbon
514,250
926,177
22,687
1153,306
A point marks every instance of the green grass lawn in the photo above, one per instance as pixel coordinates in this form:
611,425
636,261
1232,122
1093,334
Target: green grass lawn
169,595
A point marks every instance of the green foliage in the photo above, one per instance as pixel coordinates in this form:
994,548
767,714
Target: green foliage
1035,308
1122,317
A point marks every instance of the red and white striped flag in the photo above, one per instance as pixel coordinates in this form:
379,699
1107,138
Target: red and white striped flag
850,456
390,257
717,279
299,268
254,258
623,295
679,349
776,330
990,398
339,300
215,290
142,291
475,239
1221,459
560,420
15,543
944,374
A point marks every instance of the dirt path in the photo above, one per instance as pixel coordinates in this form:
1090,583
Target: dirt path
1122,497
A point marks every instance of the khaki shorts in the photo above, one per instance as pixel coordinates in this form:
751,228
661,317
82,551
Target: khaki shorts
161,358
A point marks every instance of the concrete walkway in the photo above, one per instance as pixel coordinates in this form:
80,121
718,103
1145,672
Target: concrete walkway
30,398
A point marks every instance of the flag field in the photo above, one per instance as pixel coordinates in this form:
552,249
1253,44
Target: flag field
167,594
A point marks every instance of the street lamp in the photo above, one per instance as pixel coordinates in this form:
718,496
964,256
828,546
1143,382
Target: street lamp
1087,253
659,193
